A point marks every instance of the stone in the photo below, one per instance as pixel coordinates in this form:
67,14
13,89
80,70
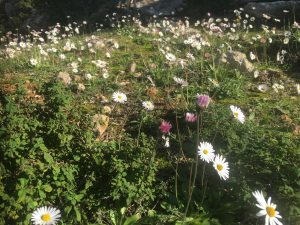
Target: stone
64,77
238,60
100,124
80,87
132,67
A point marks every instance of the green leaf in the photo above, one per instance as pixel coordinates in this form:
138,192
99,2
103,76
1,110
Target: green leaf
47,188
78,214
132,220
123,210
112,217
48,158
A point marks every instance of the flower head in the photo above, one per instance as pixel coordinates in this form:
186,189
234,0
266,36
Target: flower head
119,97
206,151
45,216
33,62
203,101
180,81
170,57
268,209
190,117
148,105
237,113
221,167
165,127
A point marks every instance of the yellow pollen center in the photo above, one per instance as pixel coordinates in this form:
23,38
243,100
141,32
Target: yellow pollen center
220,167
235,114
271,211
46,217
205,151
119,97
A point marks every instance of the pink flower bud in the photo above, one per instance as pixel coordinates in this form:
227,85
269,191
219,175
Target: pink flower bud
203,101
190,117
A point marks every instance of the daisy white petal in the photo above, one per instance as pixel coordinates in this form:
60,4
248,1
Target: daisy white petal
237,113
45,216
221,166
119,97
268,209
206,151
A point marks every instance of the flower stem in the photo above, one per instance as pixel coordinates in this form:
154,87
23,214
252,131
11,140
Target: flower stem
196,166
178,134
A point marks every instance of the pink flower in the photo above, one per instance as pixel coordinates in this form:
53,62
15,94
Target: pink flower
190,117
165,127
203,101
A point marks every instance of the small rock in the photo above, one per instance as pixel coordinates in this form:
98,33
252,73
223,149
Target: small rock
263,88
106,110
238,59
133,67
77,78
80,87
64,77
100,122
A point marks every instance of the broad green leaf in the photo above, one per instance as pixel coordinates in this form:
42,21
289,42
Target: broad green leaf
132,220
48,158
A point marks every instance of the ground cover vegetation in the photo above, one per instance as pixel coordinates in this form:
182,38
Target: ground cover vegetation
164,123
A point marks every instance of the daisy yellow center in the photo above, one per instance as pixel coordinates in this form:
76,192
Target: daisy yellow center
235,114
271,211
205,151
120,97
46,217
220,167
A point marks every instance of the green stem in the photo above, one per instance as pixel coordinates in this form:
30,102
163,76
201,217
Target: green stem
203,174
199,116
204,192
178,134
139,133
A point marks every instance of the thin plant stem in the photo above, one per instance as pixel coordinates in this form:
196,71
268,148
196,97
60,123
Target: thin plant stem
179,139
204,192
199,117
140,127
176,181
203,174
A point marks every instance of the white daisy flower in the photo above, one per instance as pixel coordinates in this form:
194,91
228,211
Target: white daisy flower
33,62
221,167
206,151
170,57
88,76
237,113
45,216
119,97
62,56
268,209
148,105
180,81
